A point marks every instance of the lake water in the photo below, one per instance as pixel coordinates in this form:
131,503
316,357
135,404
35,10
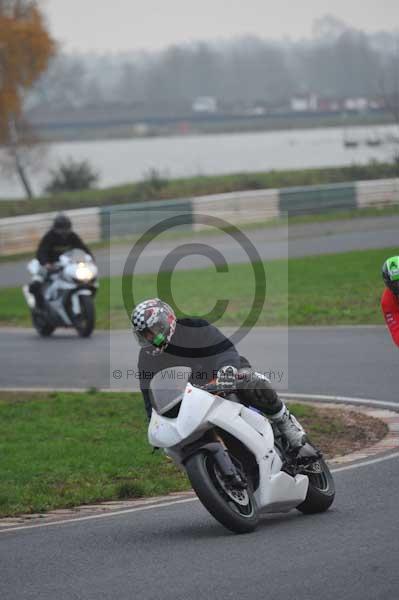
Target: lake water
123,161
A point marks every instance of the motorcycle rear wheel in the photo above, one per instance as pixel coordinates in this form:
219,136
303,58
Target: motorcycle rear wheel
321,490
42,326
235,509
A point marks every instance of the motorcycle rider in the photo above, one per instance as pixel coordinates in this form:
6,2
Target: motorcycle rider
168,342
390,296
59,239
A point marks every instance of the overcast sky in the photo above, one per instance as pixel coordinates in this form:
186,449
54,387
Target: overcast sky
116,25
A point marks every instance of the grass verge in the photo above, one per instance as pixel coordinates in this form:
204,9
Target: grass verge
60,450
339,289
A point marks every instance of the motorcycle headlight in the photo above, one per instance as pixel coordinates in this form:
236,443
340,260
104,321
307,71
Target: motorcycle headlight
83,273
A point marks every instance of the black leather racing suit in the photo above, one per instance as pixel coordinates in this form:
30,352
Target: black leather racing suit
53,244
202,347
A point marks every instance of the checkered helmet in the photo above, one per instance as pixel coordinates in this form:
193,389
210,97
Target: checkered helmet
154,324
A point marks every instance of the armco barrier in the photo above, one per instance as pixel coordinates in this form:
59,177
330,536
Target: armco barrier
380,192
320,198
124,220
237,208
22,234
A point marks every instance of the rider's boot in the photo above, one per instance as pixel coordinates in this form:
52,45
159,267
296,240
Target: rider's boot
290,428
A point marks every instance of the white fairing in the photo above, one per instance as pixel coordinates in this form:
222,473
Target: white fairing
196,404
33,266
30,299
201,411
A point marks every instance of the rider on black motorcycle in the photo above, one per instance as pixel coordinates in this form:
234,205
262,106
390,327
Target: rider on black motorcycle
59,239
168,342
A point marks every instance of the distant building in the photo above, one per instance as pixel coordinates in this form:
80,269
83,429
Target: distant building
329,105
314,103
356,104
205,104
306,103
299,104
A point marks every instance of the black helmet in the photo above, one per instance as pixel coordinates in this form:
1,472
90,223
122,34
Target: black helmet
62,224
390,274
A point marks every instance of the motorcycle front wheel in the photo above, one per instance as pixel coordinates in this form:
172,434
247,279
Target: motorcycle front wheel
234,508
84,323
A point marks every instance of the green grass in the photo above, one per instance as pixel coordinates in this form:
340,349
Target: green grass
323,290
339,289
162,189
59,450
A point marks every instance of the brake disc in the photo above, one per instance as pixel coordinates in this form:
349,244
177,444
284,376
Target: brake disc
237,495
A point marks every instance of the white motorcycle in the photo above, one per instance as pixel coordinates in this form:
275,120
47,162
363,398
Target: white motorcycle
237,463
68,294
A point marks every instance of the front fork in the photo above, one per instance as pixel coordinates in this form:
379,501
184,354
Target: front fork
226,466
74,296
76,302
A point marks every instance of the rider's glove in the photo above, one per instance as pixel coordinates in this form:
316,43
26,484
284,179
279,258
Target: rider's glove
227,377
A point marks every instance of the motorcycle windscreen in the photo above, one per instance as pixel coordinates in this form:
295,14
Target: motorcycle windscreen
76,255
167,388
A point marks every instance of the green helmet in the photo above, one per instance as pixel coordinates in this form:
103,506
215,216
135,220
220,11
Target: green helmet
390,274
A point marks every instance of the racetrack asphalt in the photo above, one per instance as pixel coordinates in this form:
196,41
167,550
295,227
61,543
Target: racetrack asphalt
180,552
348,361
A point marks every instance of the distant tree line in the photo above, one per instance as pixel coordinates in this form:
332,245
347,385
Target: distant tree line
337,61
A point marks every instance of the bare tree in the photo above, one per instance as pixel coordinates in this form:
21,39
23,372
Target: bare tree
23,153
25,49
